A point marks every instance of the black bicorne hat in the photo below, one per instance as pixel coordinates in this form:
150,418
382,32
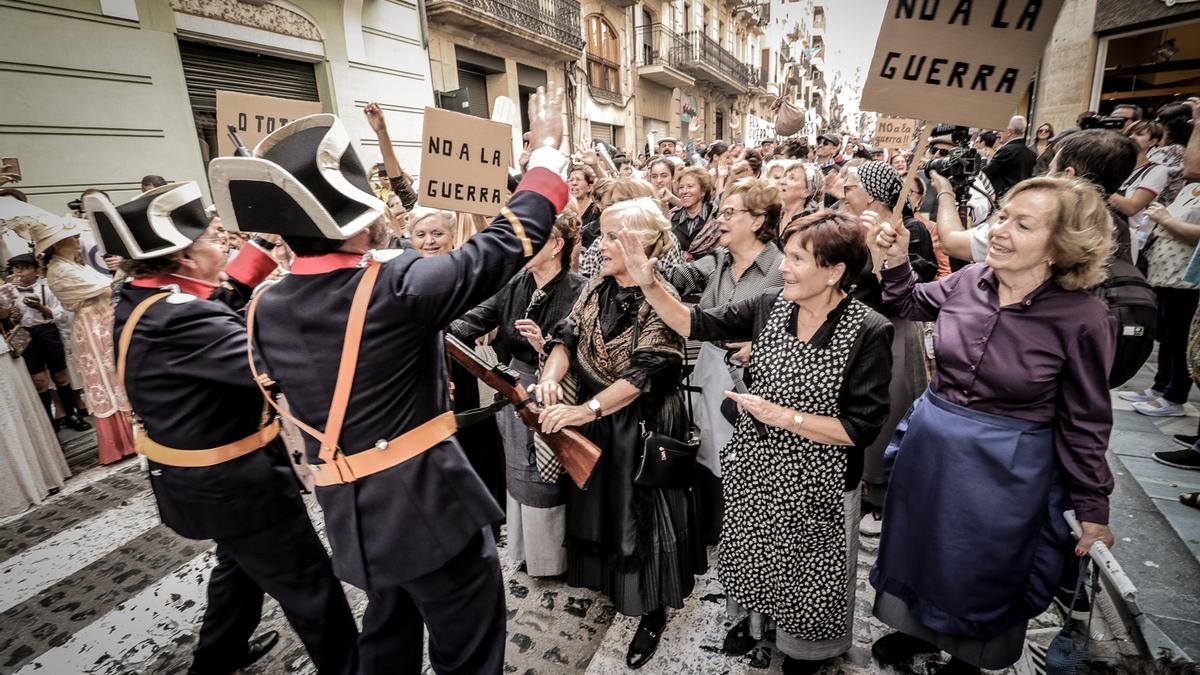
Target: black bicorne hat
303,180
155,223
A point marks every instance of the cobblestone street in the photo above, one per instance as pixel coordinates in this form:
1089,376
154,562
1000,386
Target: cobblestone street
91,582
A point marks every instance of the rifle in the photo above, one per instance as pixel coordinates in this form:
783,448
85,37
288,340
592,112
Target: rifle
239,150
577,454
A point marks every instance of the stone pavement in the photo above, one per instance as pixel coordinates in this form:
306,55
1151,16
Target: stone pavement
90,581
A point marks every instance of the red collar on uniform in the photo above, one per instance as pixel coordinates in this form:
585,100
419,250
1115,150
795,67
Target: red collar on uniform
200,289
319,264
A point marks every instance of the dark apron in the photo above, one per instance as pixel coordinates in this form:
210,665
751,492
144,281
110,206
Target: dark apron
973,535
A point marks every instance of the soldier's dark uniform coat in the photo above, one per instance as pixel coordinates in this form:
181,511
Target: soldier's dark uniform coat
189,382
418,526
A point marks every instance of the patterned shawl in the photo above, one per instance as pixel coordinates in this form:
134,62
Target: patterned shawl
606,361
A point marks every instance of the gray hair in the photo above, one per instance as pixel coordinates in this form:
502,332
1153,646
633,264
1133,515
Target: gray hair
1017,125
449,219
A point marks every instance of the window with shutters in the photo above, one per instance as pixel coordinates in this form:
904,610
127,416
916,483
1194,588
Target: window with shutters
603,57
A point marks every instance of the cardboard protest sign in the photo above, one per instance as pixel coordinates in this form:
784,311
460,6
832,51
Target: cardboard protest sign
255,116
464,163
965,62
894,133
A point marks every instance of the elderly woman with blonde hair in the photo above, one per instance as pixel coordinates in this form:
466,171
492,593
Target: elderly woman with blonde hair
433,232
636,544
1011,433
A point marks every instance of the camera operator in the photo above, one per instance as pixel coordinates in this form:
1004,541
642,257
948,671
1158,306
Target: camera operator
1014,161
1101,157
963,166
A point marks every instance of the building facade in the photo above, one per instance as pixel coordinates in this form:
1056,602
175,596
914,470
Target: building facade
1106,52
102,92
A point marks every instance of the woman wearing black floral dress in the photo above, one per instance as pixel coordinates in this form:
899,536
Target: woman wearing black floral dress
638,545
821,364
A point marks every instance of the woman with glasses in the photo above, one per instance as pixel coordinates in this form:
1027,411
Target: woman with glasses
536,300
745,263
789,544
1041,139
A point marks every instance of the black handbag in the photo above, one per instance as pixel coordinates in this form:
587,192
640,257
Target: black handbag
667,462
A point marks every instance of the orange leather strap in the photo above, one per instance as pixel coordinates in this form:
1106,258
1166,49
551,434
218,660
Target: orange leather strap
127,332
349,468
210,456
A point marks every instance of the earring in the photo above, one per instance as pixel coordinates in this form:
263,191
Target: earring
829,283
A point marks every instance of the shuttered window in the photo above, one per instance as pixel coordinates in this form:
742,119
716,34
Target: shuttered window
602,132
476,85
207,68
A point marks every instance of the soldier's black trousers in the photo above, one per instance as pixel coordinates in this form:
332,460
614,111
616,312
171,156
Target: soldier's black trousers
287,561
462,603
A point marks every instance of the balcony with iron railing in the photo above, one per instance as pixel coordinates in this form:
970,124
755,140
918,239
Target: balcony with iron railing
662,56
540,24
708,61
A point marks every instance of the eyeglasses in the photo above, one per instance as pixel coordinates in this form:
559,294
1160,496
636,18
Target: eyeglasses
209,240
941,152
726,214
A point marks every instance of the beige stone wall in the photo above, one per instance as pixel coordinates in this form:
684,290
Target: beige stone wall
1064,86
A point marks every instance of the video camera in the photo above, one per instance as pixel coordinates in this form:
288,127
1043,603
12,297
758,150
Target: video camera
1101,122
962,163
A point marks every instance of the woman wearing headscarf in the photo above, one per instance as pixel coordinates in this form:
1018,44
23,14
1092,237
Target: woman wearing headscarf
875,186
536,300
88,293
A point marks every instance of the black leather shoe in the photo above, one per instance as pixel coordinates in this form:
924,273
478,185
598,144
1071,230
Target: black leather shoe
897,648
800,666
76,423
255,650
645,640
738,641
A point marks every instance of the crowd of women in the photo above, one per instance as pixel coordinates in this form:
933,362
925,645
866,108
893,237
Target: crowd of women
793,334
720,303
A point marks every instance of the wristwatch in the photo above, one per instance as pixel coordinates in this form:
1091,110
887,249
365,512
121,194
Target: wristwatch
798,419
594,406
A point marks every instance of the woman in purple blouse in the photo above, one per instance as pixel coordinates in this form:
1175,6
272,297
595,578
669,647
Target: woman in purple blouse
1011,433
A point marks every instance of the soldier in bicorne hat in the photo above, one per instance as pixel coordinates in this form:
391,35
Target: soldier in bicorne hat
217,468
354,341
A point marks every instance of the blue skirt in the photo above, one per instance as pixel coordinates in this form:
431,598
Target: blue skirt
973,535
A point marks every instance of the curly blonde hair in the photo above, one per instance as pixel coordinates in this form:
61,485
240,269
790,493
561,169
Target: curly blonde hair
643,216
1081,240
421,213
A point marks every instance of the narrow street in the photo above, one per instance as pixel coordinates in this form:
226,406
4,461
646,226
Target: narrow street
92,582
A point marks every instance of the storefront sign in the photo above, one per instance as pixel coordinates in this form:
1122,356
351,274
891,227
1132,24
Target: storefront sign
894,133
255,116
464,163
758,130
964,62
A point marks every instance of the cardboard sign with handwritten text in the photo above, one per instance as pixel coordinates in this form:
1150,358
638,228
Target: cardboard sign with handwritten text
894,133
965,62
255,117
464,162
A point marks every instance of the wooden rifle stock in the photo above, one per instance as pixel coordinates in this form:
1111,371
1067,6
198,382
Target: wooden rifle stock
577,454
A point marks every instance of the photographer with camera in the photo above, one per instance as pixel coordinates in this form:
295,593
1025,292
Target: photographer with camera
1098,156
1014,161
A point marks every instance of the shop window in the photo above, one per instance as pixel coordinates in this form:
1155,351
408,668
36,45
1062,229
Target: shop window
603,56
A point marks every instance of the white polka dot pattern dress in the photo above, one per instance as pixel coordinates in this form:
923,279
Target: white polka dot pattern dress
783,539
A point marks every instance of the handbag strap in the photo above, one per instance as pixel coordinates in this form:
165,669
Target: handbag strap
687,398
1084,568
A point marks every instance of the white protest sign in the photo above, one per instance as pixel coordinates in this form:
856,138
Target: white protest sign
464,165
758,130
966,62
